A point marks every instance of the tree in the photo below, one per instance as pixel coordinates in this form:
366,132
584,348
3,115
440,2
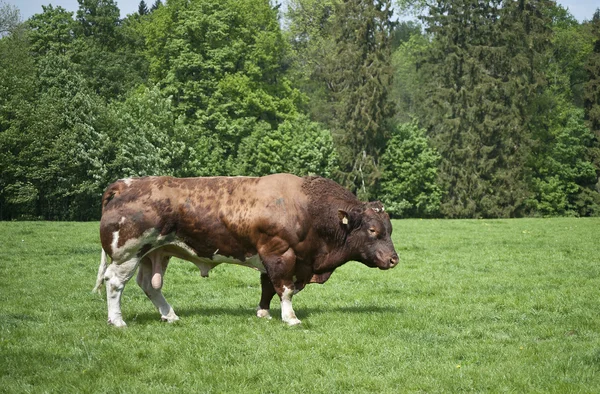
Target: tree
592,95
561,163
156,5
51,32
10,18
99,19
17,100
482,72
143,8
298,146
408,180
360,78
407,89
109,51
223,64
146,139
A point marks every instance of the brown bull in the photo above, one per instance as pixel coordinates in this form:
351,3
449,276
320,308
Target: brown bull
293,230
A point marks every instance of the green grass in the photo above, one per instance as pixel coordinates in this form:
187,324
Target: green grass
475,305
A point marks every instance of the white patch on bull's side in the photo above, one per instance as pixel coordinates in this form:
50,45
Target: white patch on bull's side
182,251
251,262
123,218
287,312
115,241
130,248
127,181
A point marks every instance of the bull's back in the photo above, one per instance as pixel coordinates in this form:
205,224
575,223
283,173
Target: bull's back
212,213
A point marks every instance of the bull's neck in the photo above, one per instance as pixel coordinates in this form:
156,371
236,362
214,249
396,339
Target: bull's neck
328,261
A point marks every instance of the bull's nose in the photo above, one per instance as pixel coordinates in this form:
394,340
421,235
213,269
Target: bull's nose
394,260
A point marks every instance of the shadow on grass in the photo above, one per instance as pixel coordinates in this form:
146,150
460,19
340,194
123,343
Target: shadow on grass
148,317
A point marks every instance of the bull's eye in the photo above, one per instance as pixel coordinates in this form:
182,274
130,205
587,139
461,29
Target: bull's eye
372,231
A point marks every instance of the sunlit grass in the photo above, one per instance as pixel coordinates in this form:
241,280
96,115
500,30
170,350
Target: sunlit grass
484,306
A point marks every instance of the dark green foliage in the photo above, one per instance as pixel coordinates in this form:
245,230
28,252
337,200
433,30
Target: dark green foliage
481,72
564,177
223,64
408,181
77,110
17,93
490,109
51,32
298,146
592,95
143,8
156,5
360,78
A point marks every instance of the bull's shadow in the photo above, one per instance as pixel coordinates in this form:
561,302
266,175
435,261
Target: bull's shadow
302,313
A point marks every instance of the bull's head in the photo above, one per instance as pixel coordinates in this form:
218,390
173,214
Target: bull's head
369,232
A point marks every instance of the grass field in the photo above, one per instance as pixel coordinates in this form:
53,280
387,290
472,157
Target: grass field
475,305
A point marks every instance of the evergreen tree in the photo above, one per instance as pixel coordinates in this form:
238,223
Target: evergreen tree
482,72
143,8
156,5
592,100
108,51
360,78
592,87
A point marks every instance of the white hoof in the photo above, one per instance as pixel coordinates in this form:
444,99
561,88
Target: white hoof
170,318
263,313
117,322
293,322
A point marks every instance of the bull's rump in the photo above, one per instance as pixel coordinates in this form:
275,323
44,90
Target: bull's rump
227,215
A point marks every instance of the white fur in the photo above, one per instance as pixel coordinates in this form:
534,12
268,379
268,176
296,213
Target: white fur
263,313
126,260
287,312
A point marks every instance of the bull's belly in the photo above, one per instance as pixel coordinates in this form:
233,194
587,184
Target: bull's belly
151,242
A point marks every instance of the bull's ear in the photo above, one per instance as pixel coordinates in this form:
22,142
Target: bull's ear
343,215
350,219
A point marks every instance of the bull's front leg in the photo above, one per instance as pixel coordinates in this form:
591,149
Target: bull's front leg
280,271
267,294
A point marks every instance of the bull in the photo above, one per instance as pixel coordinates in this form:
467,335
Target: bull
294,230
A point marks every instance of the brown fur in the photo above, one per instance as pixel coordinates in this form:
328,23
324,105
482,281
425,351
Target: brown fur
294,224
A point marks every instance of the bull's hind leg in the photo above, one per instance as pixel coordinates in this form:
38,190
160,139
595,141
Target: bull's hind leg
116,277
150,279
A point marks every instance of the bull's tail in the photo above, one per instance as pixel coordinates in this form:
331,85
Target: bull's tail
101,271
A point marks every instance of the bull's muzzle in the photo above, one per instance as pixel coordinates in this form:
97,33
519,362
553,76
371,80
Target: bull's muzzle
389,261
394,260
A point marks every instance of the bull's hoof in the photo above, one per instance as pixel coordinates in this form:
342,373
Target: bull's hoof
293,322
117,323
170,318
263,313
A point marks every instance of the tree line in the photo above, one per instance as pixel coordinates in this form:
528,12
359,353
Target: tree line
474,109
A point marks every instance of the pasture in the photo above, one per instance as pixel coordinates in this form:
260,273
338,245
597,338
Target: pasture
474,305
